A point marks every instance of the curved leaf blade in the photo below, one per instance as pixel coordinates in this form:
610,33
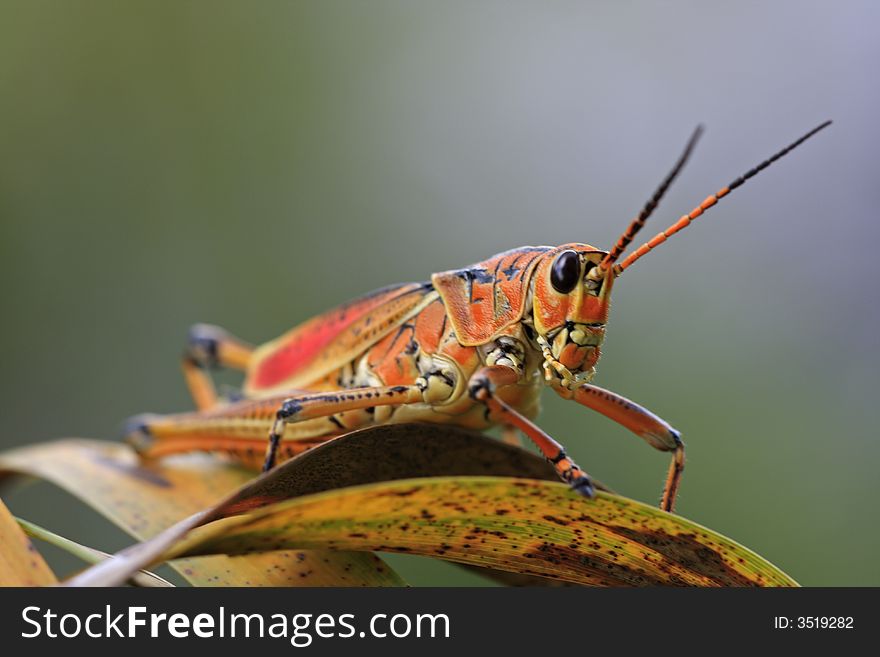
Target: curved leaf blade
519,525
373,454
378,453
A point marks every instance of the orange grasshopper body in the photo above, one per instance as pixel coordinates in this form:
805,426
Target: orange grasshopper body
473,347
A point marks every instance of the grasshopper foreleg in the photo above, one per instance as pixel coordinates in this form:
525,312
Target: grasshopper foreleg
482,386
654,430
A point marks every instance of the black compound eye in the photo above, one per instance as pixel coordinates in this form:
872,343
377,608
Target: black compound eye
566,272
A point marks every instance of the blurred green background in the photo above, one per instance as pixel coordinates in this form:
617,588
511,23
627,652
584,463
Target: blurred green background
251,164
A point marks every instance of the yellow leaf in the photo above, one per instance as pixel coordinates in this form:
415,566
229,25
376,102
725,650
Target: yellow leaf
530,528
20,563
374,454
518,525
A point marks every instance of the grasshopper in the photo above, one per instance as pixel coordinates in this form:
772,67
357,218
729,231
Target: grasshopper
472,347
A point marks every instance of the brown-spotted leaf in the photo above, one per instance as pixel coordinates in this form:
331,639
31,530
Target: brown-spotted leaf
145,499
401,451
519,525
20,563
374,454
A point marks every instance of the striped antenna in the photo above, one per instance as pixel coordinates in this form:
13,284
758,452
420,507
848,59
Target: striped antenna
711,200
639,222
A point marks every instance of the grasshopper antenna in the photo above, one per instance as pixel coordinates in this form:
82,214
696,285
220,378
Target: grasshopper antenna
711,200
639,222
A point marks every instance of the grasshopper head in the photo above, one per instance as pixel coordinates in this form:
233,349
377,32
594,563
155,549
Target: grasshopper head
570,306
572,283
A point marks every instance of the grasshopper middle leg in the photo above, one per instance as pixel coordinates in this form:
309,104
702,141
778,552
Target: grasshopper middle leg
328,404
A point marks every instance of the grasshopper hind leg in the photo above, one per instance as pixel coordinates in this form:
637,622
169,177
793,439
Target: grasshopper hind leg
210,347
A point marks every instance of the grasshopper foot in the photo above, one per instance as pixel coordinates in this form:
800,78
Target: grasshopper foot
584,486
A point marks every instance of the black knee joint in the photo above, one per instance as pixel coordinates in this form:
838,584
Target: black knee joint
289,409
202,346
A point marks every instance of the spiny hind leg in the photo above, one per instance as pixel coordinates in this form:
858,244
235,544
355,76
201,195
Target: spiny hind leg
209,347
236,429
302,418
482,386
654,430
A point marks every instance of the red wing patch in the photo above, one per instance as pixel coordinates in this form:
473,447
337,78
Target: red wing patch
487,297
327,341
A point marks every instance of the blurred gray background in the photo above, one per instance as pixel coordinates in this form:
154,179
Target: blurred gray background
251,164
